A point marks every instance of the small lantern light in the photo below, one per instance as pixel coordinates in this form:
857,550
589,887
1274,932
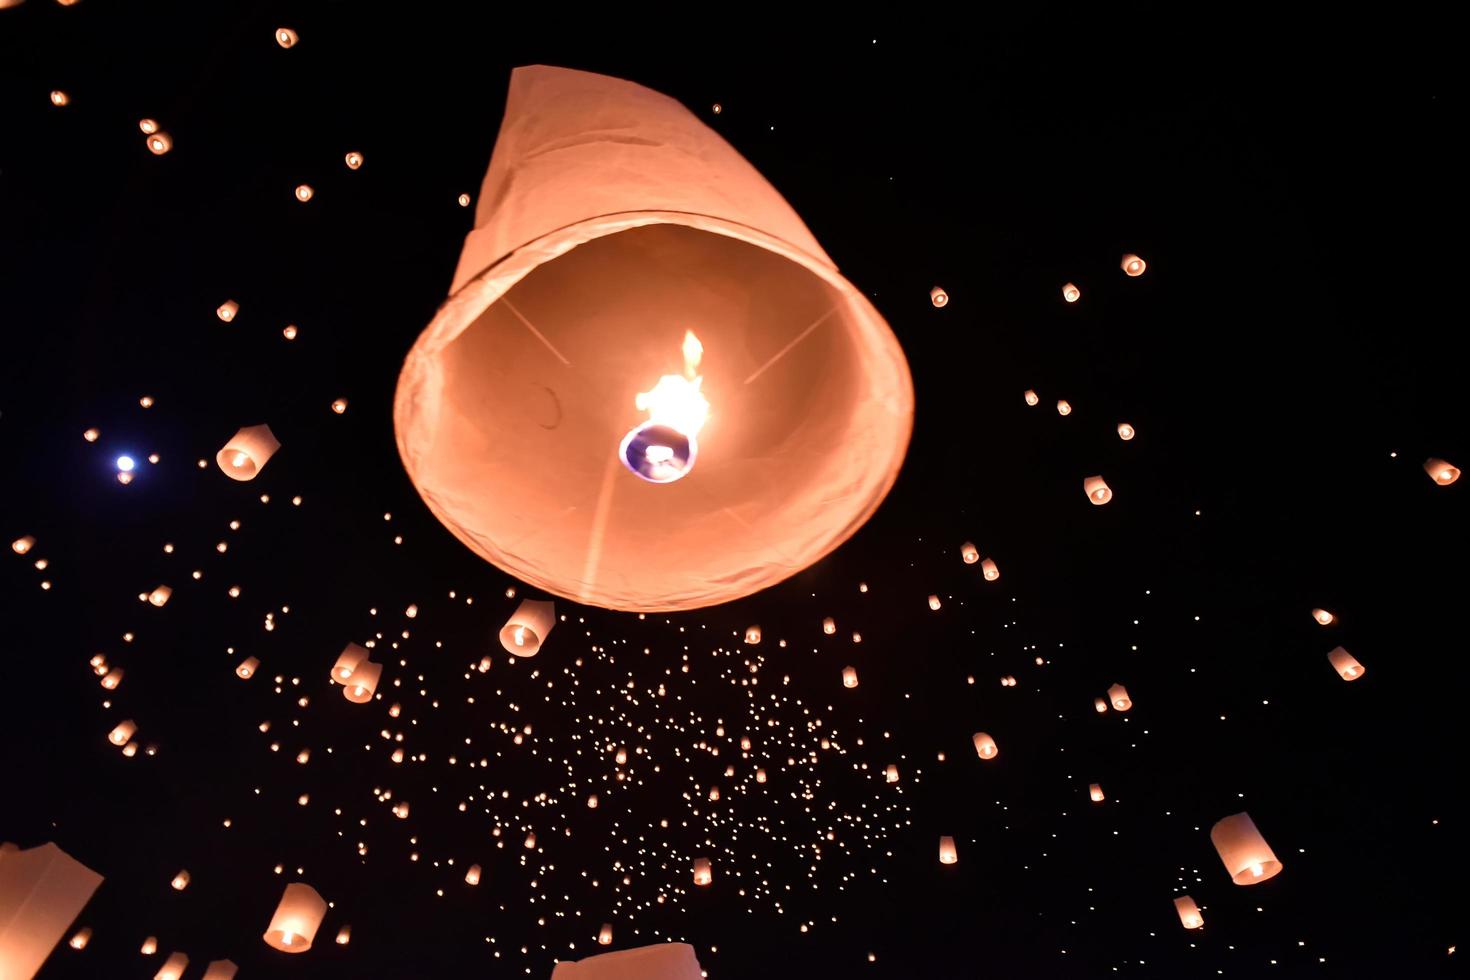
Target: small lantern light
849,677
339,406
247,668
702,873
247,452
1323,617
1345,664
359,687
752,635
969,553
1095,791
1100,705
1118,697
472,876
604,935
938,297
60,98
985,746
1189,915
80,938
150,946
123,732
1071,293
354,160
1244,851
112,678
160,595
296,919
1032,398
1064,407
148,126
227,310
181,881
525,631
1441,472
1097,490
947,853
829,626
304,192
344,935
1133,265
286,37
159,143
1125,431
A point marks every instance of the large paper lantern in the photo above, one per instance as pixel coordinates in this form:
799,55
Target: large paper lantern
703,875
1244,851
614,228
42,891
1097,490
1441,472
359,687
1189,915
664,961
296,919
525,631
1345,664
347,662
1118,697
947,852
173,968
605,934
247,452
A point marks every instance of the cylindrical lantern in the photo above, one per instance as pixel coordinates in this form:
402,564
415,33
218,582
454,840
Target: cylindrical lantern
969,553
286,37
303,757
112,678
985,746
472,876
947,853
297,917
1125,431
22,545
304,192
890,773
531,841
160,595
1064,407
849,677
1118,697
150,946
247,668
347,662
760,775
1189,915
829,626
592,801
354,160
604,935
360,686
247,452
227,310
1097,490
990,569
80,938
173,968
1133,265
1032,398
703,875
938,297
123,732
1323,617
1441,472
1071,293
610,221
220,970
1094,790
344,935
525,631
1244,851
1345,664
181,881
934,602
752,634
158,144
1100,705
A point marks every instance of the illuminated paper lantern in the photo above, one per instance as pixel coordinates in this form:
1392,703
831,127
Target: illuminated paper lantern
947,853
227,310
829,626
160,595
304,192
969,553
702,873
220,970
664,961
1032,398
173,968
347,662
1125,431
123,732
760,775
1071,293
890,773
938,297
1441,472
359,687
1100,705
150,946
1244,851
344,935
1345,664
286,37
112,678
1323,617
42,891
1094,790
1133,265
247,668
354,160
1118,697
80,938
296,919
247,452
531,841
604,935
158,144
525,631
1097,490
752,635
148,126
472,876
23,545
1064,407
60,98
985,746
339,406
990,569
934,602
849,677
1189,915
611,221
592,801
180,882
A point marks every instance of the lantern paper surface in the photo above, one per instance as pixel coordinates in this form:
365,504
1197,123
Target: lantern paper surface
360,686
1345,664
664,961
1118,697
525,631
220,970
702,873
1097,490
247,452
42,891
1189,915
610,223
347,662
985,746
296,919
173,968
1243,850
947,853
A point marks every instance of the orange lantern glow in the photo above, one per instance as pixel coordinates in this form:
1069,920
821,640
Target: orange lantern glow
80,938
1323,617
604,935
180,882
703,875
112,678
286,37
990,570
339,406
247,668
938,297
1064,407
1008,681
123,732
304,192
148,126
160,595
247,452
1441,472
347,662
296,919
354,160
1094,790
934,603
1345,664
150,946
1118,697
592,801
760,775
23,545
947,852
472,876
525,631
611,217
42,891
985,746
890,773
220,970
1071,293
1189,915
173,968
1133,265
849,677
60,98
1097,490
969,553
829,626
752,635
1244,851
159,143
1100,705
1125,431
227,310
1032,398
359,687
531,841
303,757
344,935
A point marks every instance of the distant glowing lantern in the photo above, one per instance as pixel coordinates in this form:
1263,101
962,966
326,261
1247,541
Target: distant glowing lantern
531,841
938,297
464,200
1323,617
303,757
702,873
1095,791
1441,472
1345,664
150,946
159,143
1071,293
947,853
290,332
1118,697
1008,681
1100,705
160,595
1189,915
359,687
148,126
23,545
91,435
472,876
354,160
1032,398
286,37
112,678
59,98
227,310
829,625
849,677
934,602
1133,265
347,662
247,668
123,732
296,919
592,801
220,970
80,938
890,773
969,553
173,968
304,192
985,746
752,635
1097,490
339,406
130,750
1125,431
515,382
990,570
1244,851
1064,407
247,452
760,775
344,935
525,631
180,882
604,935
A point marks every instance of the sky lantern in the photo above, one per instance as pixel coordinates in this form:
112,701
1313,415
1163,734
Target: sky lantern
1132,265
1071,293
42,891
173,968
530,841
359,687
180,881
339,406
623,249
938,297
985,746
1345,664
1323,617
1118,697
849,677
123,732
661,961
60,98
23,545
344,935
158,144
1032,398
1125,431
969,553
760,775
947,853
990,569
247,668
296,919
112,678
247,452
1097,490
890,773
702,873
1095,792
160,595
1064,407
752,635
829,625
1189,915
353,160
472,876
525,631
148,126
227,310
1246,855
347,661
1441,472
605,935
150,946
1100,705
286,37
934,603
220,970
80,938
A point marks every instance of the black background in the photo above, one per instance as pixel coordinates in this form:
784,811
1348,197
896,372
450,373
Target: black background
1287,359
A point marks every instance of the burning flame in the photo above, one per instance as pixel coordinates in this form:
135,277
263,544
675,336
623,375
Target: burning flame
677,401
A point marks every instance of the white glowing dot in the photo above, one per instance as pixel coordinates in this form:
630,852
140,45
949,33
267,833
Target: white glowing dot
125,463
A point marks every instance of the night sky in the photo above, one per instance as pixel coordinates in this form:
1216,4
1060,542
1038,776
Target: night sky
1287,360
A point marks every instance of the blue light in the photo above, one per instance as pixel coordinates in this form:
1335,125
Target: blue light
125,464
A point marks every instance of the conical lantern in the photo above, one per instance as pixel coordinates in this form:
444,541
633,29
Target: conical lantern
1189,915
247,452
605,935
1095,792
1244,851
527,628
1097,490
829,625
613,227
296,920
